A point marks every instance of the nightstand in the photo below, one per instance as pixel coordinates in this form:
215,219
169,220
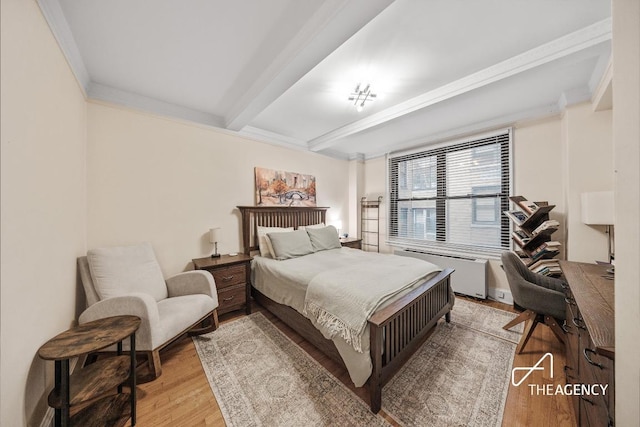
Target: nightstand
233,280
351,242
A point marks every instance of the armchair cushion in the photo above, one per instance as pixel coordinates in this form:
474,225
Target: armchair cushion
177,314
121,270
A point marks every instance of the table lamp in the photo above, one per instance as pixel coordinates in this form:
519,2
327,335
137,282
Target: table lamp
213,239
597,209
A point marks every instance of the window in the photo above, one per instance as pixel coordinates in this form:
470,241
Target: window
486,210
452,197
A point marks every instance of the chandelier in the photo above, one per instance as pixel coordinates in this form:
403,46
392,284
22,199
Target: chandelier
360,95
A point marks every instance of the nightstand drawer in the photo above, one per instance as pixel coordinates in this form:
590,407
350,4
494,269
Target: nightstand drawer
230,276
231,297
232,282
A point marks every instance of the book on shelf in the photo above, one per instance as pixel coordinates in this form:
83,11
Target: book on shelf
548,225
543,263
520,237
516,216
544,252
550,271
527,206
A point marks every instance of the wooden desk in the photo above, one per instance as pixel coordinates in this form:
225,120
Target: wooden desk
590,344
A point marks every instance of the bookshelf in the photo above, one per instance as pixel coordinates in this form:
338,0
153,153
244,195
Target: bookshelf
532,235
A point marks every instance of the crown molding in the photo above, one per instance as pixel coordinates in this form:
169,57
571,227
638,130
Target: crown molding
574,96
135,101
511,120
602,98
548,52
272,138
52,12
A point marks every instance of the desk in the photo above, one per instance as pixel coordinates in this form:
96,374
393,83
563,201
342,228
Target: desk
590,344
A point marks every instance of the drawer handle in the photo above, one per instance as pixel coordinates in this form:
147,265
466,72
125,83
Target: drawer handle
565,328
227,278
575,321
228,299
591,362
564,285
569,301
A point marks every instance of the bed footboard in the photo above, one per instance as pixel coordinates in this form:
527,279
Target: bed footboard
399,329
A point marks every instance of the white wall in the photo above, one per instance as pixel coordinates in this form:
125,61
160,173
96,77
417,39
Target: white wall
626,138
588,150
167,182
43,205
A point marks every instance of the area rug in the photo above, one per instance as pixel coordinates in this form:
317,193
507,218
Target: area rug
261,378
460,376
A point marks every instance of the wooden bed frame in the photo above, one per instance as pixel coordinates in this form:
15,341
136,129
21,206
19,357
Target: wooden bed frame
396,331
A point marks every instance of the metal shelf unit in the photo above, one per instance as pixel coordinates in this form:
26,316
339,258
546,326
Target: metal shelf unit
370,224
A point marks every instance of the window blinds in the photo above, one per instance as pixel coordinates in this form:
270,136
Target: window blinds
452,197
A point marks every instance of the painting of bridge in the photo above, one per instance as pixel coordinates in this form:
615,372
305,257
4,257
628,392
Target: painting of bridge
280,188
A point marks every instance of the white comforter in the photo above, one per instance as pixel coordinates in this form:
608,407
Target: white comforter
287,282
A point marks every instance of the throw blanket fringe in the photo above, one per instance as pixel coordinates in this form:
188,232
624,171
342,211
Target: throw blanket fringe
334,326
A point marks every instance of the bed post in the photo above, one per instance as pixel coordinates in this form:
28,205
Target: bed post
375,386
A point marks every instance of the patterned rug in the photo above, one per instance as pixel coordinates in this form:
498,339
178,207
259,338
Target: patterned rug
460,377
262,378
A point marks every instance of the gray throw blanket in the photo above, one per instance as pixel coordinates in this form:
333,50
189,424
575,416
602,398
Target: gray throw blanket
340,301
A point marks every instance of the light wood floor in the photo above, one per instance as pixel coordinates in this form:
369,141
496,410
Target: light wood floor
181,396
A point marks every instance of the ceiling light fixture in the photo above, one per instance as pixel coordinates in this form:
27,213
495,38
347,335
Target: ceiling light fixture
361,94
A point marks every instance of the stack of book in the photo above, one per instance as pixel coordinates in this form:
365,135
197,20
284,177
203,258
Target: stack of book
546,250
549,226
532,235
546,267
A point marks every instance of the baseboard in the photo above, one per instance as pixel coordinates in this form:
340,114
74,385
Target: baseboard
500,295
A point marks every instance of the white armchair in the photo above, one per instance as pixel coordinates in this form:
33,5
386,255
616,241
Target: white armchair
128,280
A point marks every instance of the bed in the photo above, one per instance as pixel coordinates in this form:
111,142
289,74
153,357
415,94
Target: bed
395,330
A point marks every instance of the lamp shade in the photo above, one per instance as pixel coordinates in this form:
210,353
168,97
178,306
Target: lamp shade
597,208
213,234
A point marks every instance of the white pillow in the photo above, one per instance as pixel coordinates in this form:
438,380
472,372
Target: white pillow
324,238
304,227
266,250
290,245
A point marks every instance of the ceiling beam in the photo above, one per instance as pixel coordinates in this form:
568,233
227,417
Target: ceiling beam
334,23
548,52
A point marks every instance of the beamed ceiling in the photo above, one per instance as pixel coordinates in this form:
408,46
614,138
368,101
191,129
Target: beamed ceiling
281,71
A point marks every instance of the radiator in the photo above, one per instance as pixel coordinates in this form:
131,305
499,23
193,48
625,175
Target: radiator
470,276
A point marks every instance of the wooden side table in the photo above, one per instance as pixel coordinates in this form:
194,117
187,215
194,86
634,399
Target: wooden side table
96,379
351,242
232,275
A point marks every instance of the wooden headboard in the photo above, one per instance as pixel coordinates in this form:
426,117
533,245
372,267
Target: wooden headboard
275,216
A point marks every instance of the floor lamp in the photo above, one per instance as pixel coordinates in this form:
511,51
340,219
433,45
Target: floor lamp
597,209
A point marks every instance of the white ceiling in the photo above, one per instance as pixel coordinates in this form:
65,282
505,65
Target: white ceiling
281,71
